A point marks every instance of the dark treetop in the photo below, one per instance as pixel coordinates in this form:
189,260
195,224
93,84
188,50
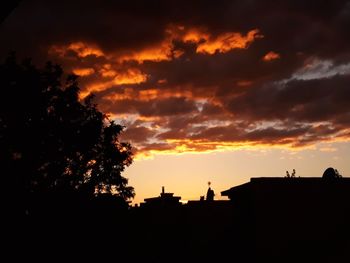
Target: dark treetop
51,142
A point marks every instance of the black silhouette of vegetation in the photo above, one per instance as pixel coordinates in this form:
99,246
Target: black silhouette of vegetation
288,175
53,144
331,173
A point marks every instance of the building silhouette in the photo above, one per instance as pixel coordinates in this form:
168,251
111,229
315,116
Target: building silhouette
163,200
210,194
285,219
294,219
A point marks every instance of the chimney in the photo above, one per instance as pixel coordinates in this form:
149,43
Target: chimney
163,191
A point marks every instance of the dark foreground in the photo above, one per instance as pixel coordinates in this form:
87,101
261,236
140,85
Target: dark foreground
201,231
266,220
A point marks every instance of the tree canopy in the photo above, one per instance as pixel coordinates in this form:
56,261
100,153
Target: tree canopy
51,141
331,173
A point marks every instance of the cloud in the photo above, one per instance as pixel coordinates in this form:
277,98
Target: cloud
312,100
185,77
81,49
138,134
130,76
126,77
83,71
228,41
165,49
271,56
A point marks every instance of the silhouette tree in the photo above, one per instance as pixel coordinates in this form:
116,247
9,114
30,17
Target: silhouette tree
287,174
51,142
293,175
331,173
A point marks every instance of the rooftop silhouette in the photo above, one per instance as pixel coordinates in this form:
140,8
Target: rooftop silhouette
275,219
163,200
295,219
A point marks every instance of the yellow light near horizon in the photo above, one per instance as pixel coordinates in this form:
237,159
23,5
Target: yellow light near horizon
186,146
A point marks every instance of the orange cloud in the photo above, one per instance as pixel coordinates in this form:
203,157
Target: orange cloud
130,76
159,52
209,44
195,35
228,41
149,94
107,71
206,43
271,56
82,49
83,71
165,50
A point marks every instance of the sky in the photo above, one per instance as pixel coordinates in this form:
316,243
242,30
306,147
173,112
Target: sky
208,91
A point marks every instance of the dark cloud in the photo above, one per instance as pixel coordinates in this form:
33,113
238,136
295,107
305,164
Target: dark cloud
137,134
324,99
192,75
152,108
171,106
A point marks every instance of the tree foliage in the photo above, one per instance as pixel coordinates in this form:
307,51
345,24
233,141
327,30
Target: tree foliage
51,141
331,173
